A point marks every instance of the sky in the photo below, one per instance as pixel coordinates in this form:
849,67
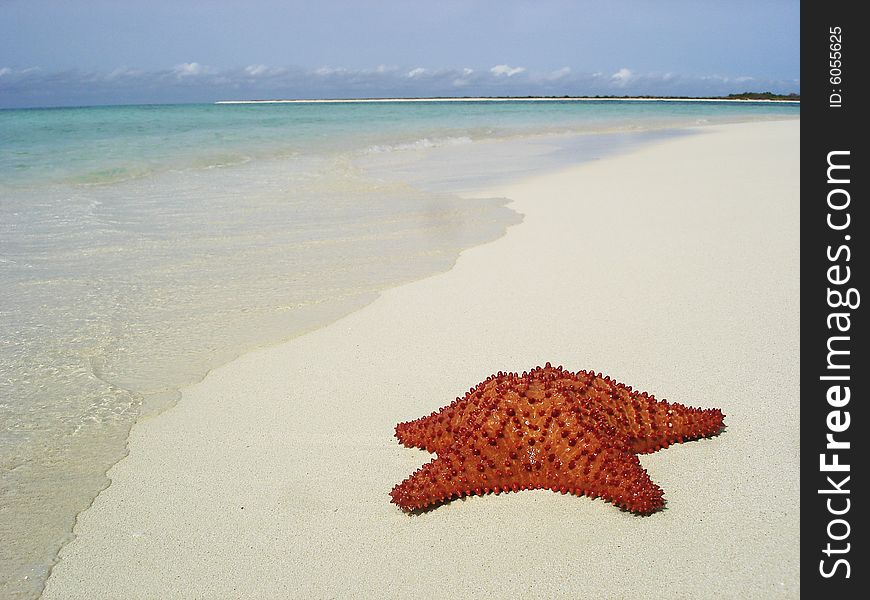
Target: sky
79,52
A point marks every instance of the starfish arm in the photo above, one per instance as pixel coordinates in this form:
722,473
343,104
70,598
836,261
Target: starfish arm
438,431
658,424
436,482
618,477
650,424
432,433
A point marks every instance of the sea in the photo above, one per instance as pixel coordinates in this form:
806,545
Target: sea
142,246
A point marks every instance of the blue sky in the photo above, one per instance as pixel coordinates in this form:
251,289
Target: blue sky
62,52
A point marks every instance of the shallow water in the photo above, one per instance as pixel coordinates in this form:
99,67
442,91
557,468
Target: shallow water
142,246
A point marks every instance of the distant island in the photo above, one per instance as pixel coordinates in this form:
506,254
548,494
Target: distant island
742,97
763,96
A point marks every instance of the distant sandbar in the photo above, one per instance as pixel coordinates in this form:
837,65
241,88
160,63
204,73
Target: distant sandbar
504,99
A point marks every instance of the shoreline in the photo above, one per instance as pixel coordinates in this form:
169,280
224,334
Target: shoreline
217,416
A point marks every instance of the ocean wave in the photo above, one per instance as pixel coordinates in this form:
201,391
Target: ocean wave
109,176
122,173
420,144
218,162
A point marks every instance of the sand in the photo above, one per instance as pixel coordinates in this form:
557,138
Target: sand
673,268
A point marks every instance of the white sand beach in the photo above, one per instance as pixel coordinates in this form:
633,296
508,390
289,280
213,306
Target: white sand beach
673,268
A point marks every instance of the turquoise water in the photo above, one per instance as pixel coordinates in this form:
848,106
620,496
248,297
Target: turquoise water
108,144
141,246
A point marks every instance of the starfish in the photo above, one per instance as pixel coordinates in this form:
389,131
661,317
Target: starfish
548,428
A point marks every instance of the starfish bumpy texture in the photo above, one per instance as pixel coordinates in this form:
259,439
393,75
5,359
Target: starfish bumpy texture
548,428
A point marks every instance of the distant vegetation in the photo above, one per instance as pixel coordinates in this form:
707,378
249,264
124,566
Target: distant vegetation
741,96
762,96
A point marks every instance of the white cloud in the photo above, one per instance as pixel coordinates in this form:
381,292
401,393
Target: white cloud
19,72
324,71
121,72
500,70
255,70
188,69
194,81
622,77
559,73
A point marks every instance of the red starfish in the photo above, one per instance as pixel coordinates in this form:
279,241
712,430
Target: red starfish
549,428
